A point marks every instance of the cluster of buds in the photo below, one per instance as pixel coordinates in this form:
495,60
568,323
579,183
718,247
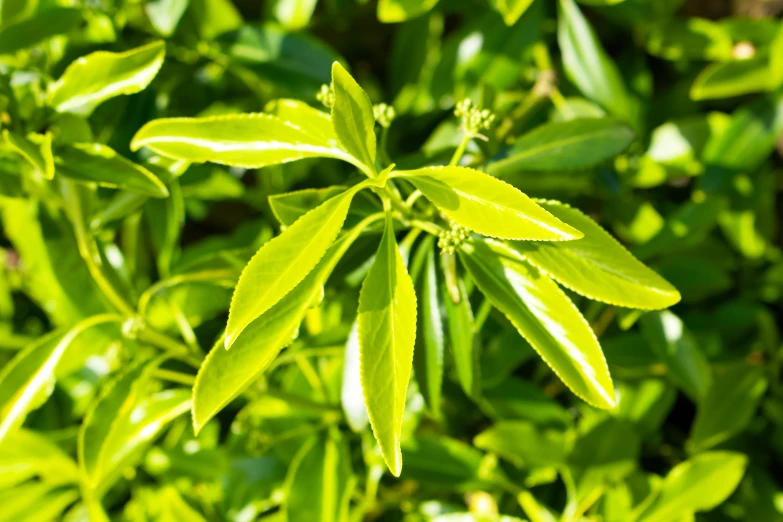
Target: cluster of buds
450,240
474,119
384,114
326,96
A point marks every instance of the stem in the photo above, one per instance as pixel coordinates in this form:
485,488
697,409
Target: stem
169,375
415,195
455,159
426,226
167,344
482,314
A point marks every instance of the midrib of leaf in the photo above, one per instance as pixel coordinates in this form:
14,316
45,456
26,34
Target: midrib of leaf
329,482
554,145
518,213
292,265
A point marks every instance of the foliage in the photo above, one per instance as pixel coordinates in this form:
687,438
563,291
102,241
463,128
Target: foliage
443,260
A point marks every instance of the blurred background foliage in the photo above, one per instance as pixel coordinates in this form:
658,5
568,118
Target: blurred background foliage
698,431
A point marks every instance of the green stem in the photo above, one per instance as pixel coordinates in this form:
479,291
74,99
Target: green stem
169,375
455,159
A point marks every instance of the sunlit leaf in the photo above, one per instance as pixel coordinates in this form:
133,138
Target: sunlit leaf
387,332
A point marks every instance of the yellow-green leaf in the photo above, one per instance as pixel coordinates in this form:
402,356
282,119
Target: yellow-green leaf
352,117
36,149
698,484
309,119
487,205
224,374
387,332
284,261
97,163
393,11
597,266
544,316
320,481
238,140
94,78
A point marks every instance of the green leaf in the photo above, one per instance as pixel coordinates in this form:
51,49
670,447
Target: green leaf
428,354
487,205
310,120
597,266
729,79
320,481
588,66
544,316
291,206
698,484
565,145
676,347
25,454
238,140
352,117
511,10
284,261
164,15
36,149
690,38
524,444
29,377
96,163
351,394
394,11
441,460
224,374
464,349
42,26
517,399
294,14
95,78
387,332
729,405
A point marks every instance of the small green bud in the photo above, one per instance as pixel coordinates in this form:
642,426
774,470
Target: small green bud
326,96
384,114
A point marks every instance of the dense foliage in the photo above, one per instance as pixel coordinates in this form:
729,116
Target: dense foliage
421,260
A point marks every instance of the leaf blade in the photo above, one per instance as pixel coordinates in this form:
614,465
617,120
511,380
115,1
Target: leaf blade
352,117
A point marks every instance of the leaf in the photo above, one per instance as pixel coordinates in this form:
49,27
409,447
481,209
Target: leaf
24,381
524,444
310,120
487,205
294,14
47,23
25,454
291,206
441,460
588,66
224,374
565,145
544,316
280,264
517,399
676,347
428,354
690,38
93,162
95,78
698,484
139,426
464,349
352,394
237,140
387,332
729,79
164,15
36,149
597,266
352,117
320,481
512,10
729,405
394,11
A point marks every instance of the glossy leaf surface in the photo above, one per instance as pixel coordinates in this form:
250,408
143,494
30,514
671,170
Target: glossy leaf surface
387,332
487,205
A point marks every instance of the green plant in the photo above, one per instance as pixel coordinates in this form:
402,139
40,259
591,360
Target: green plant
432,303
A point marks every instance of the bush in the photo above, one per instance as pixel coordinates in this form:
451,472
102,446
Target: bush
416,260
